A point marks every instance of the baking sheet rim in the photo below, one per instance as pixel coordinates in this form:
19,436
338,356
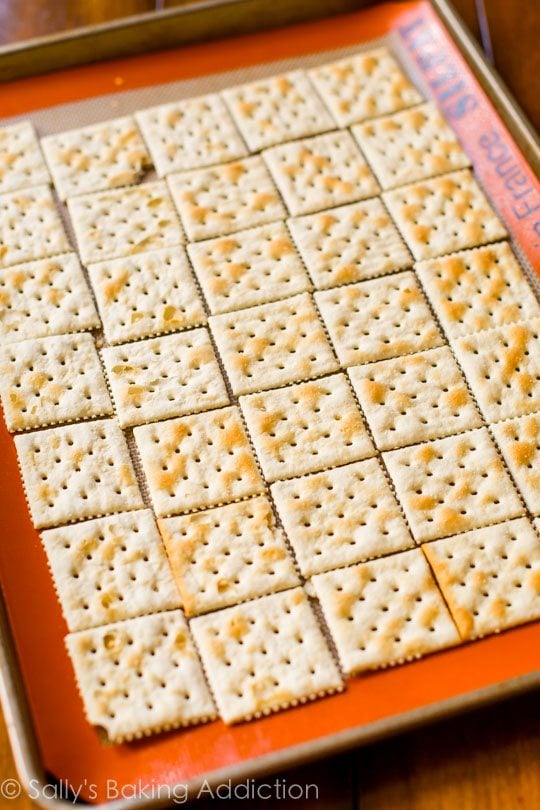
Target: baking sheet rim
12,696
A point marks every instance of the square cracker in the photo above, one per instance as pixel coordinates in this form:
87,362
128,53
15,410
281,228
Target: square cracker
519,442
145,295
272,344
503,369
248,268
444,214
340,516
51,380
265,655
306,427
98,157
163,377
478,289
77,471
415,398
30,227
350,243
110,224
364,86
197,461
21,162
489,577
377,319
224,556
452,485
140,676
410,145
110,569
281,108
227,198
384,612
320,172
189,134
47,297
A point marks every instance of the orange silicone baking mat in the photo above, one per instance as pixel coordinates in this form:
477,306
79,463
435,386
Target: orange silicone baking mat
70,749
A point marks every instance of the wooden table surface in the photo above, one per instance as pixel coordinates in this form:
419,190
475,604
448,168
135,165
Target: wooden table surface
486,760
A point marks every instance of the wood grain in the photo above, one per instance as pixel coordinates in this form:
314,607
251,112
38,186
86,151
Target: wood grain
23,20
485,761
488,760
515,29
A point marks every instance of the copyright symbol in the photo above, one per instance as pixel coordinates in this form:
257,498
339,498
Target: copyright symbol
10,789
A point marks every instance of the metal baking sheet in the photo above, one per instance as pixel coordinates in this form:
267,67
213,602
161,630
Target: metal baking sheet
53,744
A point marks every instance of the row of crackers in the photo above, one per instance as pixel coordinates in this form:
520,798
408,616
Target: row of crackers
436,216
208,130
59,379
311,174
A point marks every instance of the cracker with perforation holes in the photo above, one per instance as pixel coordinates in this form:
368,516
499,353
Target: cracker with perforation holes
227,198
489,577
350,243
140,676
503,369
340,516
77,471
272,344
224,556
444,214
281,108
164,377
21,162
320,172
248,268
102,156
452,485
265,655
121,222
519,441
411,399
46,297
110,569
378,319
306,427
52,380
30,227
364,86
478,289
189,134
410,145
197,461
384,612
149,294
